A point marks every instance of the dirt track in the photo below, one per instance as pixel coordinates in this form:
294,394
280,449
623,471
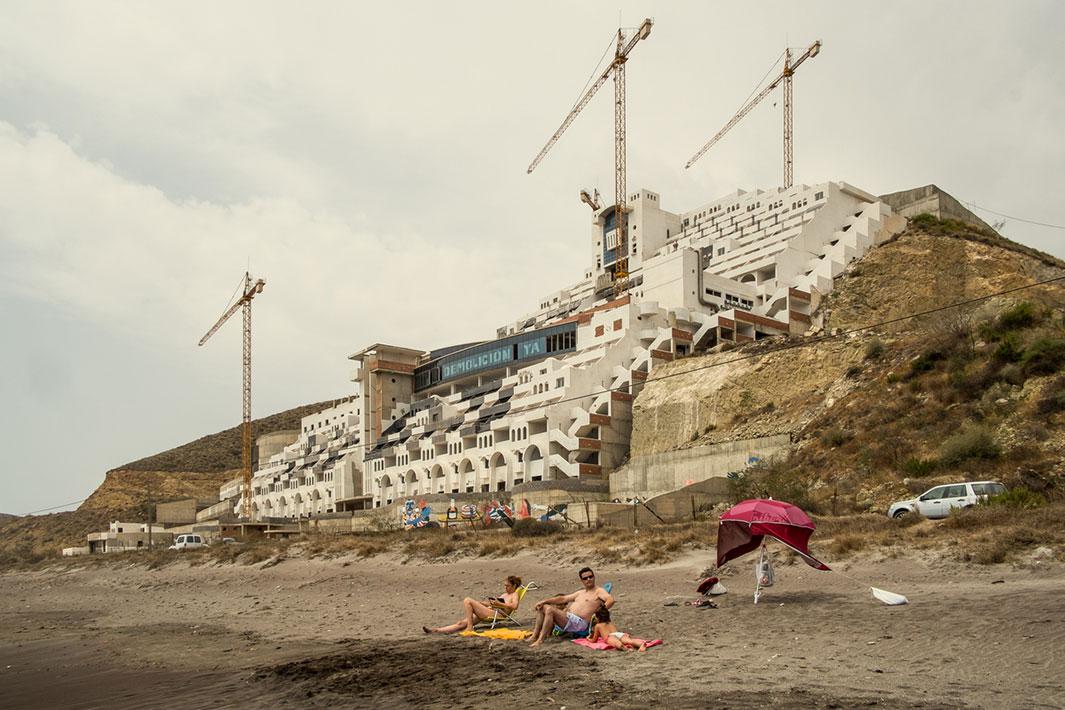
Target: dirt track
312,633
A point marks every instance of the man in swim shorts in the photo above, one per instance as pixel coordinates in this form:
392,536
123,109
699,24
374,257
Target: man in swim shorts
582,606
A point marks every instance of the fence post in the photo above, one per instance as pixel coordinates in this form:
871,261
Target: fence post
693,509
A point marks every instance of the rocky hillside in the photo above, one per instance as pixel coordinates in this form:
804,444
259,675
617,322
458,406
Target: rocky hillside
192,470
220,451
33,537
969,392
126,490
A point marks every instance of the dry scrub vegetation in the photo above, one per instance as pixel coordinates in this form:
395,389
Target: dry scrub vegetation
1005,531
965,398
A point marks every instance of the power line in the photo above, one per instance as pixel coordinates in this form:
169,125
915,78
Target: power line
55,507
805,342
1015,219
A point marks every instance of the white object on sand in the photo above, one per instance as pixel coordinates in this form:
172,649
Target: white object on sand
889,598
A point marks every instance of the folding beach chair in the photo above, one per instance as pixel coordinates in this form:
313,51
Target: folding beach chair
502,617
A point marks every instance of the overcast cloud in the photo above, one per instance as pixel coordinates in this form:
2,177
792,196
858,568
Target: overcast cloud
368,161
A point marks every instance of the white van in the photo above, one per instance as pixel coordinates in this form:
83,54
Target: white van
188,541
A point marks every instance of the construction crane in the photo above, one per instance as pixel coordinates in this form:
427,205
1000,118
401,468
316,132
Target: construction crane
250,290
785,79
623,45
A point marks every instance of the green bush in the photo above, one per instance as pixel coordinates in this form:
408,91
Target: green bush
1053,399
1019,498
1044,356
925,221
1018,317
918,467
972,442
1012,374
874,349
1022,315
530,527
1009,348
925,362
834,437
772,479
968,385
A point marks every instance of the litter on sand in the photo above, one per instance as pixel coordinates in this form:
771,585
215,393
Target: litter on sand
889,598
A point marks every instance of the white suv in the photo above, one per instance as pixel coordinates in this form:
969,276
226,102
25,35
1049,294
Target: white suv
188,542
937,502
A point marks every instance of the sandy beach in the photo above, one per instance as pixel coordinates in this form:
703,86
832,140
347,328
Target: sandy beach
317,632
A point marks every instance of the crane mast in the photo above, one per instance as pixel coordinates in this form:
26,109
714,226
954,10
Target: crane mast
249,291
785,79
621,260
622,47
789,72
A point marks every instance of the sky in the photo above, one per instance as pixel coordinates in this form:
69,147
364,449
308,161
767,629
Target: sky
368,160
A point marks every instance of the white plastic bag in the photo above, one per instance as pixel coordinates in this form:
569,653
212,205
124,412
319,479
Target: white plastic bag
763,571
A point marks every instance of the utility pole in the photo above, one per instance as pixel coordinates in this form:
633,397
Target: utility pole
150,511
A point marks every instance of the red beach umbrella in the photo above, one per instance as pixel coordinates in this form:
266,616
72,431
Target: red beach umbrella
744,525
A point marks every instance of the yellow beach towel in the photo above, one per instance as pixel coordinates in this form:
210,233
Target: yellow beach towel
513,634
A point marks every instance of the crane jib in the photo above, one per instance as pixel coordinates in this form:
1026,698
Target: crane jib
789,70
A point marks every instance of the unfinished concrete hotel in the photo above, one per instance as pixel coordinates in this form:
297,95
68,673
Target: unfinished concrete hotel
548,400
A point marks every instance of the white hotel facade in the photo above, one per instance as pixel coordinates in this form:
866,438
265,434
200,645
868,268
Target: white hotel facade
550,397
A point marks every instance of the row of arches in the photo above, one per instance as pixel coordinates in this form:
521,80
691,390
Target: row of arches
498,472
295,505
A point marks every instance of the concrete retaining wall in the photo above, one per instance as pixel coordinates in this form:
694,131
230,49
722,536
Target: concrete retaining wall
218,511
934,201
688,504
178,512
655,474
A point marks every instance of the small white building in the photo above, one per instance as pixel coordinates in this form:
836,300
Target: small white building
123,537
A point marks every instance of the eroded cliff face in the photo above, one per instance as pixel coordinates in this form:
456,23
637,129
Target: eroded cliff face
741,393
128,490
783,386
917,271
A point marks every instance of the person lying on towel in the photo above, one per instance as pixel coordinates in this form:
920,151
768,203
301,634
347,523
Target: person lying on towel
483,609
606,631
582,606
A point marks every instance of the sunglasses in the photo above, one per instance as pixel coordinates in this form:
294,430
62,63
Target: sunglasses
591,576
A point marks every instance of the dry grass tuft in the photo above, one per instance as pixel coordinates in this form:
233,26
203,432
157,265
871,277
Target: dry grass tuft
846,544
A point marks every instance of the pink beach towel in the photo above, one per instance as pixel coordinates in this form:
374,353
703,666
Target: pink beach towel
602,645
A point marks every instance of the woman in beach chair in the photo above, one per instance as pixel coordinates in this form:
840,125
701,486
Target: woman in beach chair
489,609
